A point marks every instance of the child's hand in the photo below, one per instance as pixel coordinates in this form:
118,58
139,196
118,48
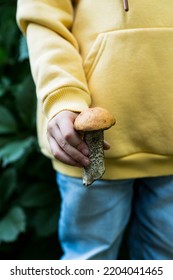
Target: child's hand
66,144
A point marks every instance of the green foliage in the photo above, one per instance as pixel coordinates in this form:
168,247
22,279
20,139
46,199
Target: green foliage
29,198
15,222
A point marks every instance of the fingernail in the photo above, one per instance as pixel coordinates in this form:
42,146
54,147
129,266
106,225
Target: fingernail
85,152
86,162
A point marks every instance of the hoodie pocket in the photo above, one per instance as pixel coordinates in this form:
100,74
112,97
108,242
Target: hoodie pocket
130,72
130,48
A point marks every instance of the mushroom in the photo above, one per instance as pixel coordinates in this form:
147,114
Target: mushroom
92,122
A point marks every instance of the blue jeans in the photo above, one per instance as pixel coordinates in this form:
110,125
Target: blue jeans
92,220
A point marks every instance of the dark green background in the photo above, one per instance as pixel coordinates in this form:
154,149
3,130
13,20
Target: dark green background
29,198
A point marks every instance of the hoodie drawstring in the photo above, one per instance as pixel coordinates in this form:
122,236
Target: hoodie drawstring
126,5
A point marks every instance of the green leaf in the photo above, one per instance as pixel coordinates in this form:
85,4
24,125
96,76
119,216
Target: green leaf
7,184
3,56
38,195
12,224
25,100
8,28
23,49
15,150
45,220
4,140
7,121
4,85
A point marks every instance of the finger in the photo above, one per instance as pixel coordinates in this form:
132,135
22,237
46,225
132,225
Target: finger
69,150
73,152
72,137
60,155
106,145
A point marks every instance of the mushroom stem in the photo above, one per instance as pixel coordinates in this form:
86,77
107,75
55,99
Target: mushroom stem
96,169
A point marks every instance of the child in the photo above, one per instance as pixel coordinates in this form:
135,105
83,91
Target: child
118,55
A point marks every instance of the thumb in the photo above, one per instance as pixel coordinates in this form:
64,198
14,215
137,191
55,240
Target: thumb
106,145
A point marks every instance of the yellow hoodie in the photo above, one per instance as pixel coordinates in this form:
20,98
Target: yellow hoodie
93,53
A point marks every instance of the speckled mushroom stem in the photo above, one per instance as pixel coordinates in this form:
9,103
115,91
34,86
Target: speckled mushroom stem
96,169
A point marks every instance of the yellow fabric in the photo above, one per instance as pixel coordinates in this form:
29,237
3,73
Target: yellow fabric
92,53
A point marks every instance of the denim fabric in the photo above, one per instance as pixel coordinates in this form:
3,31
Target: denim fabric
92,220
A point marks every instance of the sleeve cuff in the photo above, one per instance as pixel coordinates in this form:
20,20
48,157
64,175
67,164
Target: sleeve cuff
67,98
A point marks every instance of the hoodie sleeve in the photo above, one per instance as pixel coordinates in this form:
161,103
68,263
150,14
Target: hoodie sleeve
56,64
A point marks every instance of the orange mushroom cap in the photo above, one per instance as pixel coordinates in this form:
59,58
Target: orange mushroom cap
92,119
